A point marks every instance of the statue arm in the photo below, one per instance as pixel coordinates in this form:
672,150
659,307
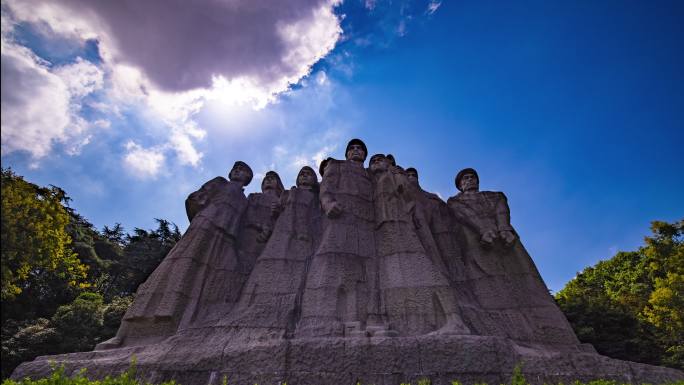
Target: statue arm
278,206
199,199
503,214
329,185
503,220
234,222
401,181
466,216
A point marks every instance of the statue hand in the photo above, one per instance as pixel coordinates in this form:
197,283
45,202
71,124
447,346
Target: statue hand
275,209
508,237
334,210
264,234
488,237
416,222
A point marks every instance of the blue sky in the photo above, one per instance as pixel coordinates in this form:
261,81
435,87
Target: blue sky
574,109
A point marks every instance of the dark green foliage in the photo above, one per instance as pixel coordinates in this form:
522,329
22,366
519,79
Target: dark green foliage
142,252
24,340
58,377
77,326
632,306
112,315
80,322
73,295
517,378
35,241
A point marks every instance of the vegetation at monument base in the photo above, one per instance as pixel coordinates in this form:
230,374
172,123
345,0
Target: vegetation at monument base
632,305
58,377
66,285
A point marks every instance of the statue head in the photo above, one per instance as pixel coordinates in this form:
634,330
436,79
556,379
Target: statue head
272,183
321,167
241,173
378,163
467,180
356,151
391,159
412,175
307,178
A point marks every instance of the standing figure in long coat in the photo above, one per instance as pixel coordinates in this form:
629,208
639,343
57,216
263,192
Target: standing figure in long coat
270,304
436,222
259,219
415,292
196,274
339,297
506,283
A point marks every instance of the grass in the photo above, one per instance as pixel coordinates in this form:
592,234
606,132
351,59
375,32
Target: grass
58,377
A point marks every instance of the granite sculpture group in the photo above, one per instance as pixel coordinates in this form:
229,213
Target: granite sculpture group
363,277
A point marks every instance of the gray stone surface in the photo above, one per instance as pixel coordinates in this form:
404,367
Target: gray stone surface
365,277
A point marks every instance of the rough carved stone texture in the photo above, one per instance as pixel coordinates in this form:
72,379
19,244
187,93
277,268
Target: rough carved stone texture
340,282
368,278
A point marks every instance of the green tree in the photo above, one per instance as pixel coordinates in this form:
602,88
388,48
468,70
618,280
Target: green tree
79,323
632,305
143,252
34,236
77,326
23,341
66,285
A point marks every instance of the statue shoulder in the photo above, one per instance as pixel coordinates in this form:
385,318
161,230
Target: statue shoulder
494,195
332,168
218,181
433,196
456,199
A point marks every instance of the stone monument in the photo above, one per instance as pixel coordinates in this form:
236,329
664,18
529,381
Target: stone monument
361,277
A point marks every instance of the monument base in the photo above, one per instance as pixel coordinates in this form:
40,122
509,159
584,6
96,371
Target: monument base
202,357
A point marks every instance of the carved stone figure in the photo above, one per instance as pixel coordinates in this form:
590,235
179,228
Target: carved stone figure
259,219
270,304
507,285
271,289
342,277
415,293
198,274
439,225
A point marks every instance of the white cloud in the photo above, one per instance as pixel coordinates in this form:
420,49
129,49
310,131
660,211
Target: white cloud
35,103
185,151
183,45
41,102
309,40
322,78
143,163
433,7
291,157
81,78
166,69
323,153
370,4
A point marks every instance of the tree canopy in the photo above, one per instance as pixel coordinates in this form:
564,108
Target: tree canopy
65,284
632,305
34,236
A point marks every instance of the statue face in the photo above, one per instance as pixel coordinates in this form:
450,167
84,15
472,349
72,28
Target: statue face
412,177
269,183
306,178
356,153
239,173
469,182
379,164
